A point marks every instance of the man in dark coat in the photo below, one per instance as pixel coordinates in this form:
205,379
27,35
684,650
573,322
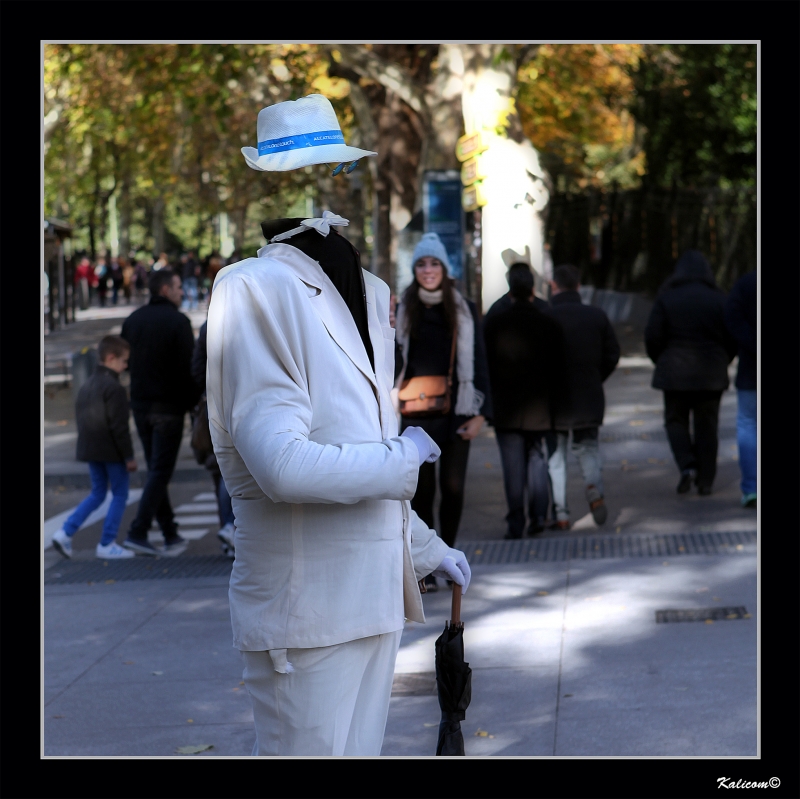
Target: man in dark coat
591,355
104,441
162,390
507,300
688,341
524,348
741,318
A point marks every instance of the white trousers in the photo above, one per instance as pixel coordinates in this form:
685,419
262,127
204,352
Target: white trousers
335,701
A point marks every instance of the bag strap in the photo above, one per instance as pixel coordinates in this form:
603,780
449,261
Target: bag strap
452,357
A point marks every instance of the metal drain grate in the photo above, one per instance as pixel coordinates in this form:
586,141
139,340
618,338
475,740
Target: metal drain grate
702,614
607,546
139,568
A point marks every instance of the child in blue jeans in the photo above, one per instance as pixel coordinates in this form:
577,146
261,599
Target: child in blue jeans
104,441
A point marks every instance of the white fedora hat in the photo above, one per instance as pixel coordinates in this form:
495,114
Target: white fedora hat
299,133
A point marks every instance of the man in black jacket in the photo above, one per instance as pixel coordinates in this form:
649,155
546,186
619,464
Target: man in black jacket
741,317
688,341
591,355
104,441
507,300
162,390
524,348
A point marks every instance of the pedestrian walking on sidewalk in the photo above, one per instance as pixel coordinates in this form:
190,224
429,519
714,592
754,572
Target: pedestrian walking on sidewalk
104,442
507,300
101,273
687,340
441,336
741,317
525,352
162,391
591,355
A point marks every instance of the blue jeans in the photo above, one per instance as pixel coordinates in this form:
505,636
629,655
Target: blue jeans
524,459
103,473
747,435
586,448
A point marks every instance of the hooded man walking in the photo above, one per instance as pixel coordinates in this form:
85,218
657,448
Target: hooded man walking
328,550
687,340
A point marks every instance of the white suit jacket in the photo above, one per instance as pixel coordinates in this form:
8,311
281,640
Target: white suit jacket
327,547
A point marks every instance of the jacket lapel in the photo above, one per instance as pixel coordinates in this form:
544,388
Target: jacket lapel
328,305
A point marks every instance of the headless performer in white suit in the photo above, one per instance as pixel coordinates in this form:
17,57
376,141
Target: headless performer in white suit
328,549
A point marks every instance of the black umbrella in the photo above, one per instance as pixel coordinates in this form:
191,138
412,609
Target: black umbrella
454,681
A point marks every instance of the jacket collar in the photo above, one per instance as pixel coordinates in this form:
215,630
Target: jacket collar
159,300
104,370
328,304
566,297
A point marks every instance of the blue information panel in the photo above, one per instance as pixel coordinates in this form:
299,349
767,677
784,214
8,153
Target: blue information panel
445,217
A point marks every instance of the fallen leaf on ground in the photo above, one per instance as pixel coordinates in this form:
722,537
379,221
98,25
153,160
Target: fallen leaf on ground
193,750
739,546
709,621
731,616
619,529
748,616
487,465
481,734
128,663
242,682
108,582
237,688
543,593
652,460
636,422
665,563
190,721
701,590
716,598
61,422
436,724
479,552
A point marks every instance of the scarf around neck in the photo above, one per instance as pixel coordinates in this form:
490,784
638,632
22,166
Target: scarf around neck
469,400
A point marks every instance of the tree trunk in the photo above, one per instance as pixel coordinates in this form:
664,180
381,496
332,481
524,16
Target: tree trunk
125,217
511,226
157,224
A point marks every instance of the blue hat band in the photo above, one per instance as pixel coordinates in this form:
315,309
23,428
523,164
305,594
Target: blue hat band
299,141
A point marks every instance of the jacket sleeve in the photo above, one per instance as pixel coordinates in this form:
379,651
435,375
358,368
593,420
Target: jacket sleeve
117,420
655,333
184,354
258,393
427,549
610,351
199,358
481,380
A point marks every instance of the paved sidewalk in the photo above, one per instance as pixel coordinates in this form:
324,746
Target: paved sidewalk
567,655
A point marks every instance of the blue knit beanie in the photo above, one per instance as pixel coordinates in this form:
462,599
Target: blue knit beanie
430,244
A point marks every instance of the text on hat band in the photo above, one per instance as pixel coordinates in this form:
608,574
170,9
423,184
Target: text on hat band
298,141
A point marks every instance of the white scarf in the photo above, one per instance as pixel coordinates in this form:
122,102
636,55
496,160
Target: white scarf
469,400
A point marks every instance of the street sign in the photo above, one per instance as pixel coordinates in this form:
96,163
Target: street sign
470,145
473,170
473,197
443,215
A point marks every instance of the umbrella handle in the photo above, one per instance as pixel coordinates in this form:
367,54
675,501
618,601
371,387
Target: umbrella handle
455,611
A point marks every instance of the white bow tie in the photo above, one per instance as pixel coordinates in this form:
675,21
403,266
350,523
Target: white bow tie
321,224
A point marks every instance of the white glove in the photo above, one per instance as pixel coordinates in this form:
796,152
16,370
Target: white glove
454,567
428,450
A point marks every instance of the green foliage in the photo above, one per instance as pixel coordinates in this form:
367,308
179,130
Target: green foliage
698,103
162,125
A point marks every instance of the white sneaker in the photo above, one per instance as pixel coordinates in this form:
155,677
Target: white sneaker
113,550
226,534
62,543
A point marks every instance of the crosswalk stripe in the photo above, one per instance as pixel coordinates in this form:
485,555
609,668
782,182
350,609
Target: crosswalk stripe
156,537
197,507
206,496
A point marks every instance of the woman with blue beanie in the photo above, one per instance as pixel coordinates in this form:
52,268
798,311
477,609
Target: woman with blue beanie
439,332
